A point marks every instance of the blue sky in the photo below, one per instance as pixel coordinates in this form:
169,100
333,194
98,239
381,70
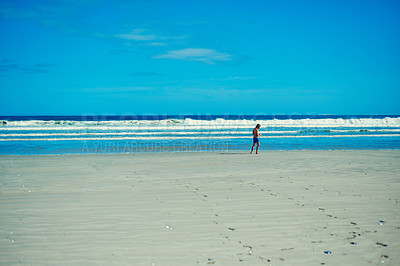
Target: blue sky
199,57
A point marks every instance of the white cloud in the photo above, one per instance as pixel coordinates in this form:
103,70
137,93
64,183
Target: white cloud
209,56
150,39
240,78
118,89
137,35
158,44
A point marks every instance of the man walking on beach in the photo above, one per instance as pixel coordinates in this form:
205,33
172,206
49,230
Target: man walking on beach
256,134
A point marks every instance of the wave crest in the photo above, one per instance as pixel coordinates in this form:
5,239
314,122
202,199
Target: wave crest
219,122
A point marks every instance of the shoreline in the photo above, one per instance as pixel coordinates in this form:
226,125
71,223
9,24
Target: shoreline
205,151
298,207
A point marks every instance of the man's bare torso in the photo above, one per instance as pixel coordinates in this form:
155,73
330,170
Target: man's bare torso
255,133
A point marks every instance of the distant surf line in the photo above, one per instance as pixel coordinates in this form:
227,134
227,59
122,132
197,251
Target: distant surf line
143,133
185,127
188,123
193,137
184,133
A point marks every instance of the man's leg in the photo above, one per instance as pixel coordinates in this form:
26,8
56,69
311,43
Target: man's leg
252,148
258,145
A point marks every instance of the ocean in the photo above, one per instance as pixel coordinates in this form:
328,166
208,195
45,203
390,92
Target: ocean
195,133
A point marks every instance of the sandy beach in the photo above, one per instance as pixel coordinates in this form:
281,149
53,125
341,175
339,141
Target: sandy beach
275,208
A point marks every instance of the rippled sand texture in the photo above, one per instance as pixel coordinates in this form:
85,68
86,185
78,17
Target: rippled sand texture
276,208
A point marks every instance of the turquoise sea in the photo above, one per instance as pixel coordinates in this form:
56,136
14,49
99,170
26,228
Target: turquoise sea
181,133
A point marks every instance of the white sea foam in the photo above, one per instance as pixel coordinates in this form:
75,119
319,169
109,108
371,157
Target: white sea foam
197,137
133,127
364,130
220,133
119,133
217,123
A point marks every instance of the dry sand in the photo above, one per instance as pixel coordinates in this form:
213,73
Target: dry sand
276,208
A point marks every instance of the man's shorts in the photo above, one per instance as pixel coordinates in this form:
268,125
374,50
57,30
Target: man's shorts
255,140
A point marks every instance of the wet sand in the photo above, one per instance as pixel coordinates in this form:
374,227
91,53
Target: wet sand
275,208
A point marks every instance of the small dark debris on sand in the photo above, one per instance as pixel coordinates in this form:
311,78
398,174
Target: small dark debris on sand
381,244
